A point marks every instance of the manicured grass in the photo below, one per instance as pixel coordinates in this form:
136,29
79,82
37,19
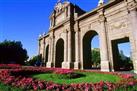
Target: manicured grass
87,78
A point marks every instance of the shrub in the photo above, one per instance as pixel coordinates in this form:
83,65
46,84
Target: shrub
10,66
35,61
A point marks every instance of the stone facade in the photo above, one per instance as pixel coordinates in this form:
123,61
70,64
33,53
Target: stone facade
67,43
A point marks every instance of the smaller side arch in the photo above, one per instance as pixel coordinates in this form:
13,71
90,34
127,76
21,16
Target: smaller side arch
47,54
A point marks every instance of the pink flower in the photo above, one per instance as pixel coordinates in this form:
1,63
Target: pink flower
131,83
127,76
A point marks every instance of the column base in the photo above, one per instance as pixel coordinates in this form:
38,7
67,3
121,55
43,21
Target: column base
135,66
76,65
67,65
135,71
105,66
113,70
49,64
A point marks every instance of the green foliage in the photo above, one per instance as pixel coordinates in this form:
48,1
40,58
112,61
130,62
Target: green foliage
87,77
8,88
12,52
34,60
129,88
125,62
96,56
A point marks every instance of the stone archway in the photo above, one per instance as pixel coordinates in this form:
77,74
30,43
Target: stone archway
87,54
59,53
118,63
47,54
76,49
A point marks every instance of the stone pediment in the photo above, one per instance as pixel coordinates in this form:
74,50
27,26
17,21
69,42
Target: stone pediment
60,7
60,13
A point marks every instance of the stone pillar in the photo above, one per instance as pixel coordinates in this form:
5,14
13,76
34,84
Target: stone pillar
77,49
65,50
44,52
39,47
53,51
68,64
66,47
132,7
50,62
69,46
103,43
133,51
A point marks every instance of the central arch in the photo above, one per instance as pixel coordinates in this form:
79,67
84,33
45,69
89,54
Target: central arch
59,53
87,48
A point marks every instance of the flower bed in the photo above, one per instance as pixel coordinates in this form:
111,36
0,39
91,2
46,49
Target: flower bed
17,78
10,66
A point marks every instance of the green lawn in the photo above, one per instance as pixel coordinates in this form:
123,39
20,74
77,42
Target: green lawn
87,78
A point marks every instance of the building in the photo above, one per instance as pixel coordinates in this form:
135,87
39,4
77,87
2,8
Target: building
68,42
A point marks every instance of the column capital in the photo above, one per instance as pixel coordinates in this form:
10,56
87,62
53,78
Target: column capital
102,18
43,41
76,26
52,34
65,31
77,29
101,15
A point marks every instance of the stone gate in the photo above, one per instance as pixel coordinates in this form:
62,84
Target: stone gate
68,42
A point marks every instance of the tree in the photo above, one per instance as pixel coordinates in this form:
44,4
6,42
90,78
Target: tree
12,52
96,56
125,62
35,60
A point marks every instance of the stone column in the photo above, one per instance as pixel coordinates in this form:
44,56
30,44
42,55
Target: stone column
132,7
69,63
39,47
103,43
77,49
48,64
51,52
45,58
69,46
44,52
65,50
133,50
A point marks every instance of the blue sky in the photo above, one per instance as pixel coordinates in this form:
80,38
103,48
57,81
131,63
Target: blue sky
24,20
